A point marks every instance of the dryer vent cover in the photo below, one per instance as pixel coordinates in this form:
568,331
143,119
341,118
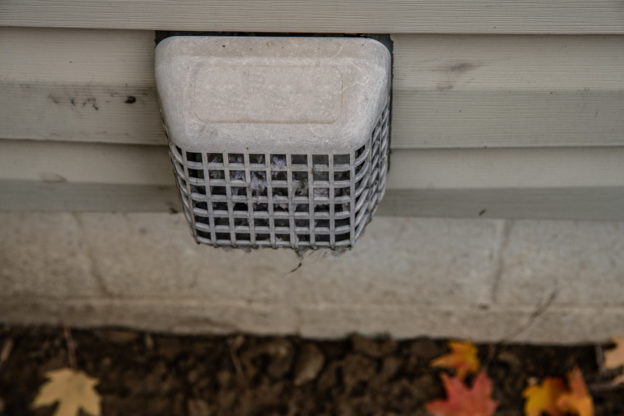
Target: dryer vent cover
276,141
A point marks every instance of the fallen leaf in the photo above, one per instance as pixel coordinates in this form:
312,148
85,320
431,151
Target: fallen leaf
309,364
577,401
614,359
462,401
543,397
72,390
462,358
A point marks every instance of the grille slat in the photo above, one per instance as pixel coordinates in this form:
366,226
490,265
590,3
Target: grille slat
283,200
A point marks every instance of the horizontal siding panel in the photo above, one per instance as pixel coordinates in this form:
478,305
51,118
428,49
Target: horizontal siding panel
506,168
80,112
91,197
410,169
105,57
80,85
511,63
350,16
552,203
450,91
48,161
467,119
572,183
582,203
508,91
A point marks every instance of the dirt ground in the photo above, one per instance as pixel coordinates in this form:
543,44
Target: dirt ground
153,374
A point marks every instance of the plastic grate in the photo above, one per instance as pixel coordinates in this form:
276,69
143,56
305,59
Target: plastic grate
279,199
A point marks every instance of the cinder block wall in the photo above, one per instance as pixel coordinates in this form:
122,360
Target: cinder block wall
488,280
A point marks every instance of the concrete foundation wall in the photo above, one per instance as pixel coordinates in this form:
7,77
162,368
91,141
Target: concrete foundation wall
494,280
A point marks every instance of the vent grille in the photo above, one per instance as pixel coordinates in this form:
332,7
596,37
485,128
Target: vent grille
278,199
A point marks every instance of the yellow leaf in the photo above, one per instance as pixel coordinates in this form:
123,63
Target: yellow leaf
463,358
577,401
72,390
614,359
543,397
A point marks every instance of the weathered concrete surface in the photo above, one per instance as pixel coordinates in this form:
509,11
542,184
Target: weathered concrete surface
42,255
536,281
579,263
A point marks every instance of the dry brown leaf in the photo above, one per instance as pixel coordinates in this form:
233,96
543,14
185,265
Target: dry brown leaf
542,398
73,390
577,401
463,358
614,359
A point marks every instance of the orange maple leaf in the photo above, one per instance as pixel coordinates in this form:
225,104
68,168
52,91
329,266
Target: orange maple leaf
577,401
543,397
463,358
462,401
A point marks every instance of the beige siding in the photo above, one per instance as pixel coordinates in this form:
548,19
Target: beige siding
411,169
60,84
483,125
573,183
449,91
352,16
576,203
510,91
84,162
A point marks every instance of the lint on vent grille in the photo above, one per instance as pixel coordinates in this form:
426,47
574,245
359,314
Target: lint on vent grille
276,142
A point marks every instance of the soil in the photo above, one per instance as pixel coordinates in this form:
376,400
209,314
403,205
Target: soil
155,374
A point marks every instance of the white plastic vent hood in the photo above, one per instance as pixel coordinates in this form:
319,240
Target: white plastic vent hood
276,141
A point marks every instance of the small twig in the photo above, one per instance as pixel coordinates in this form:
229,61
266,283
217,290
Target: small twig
539,311
237,365
149,342
236,361
604,386
297,267
301,255
71,347
492,353
600,357
6,351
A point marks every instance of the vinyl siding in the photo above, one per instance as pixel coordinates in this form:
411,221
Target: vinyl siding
328,16
515,126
